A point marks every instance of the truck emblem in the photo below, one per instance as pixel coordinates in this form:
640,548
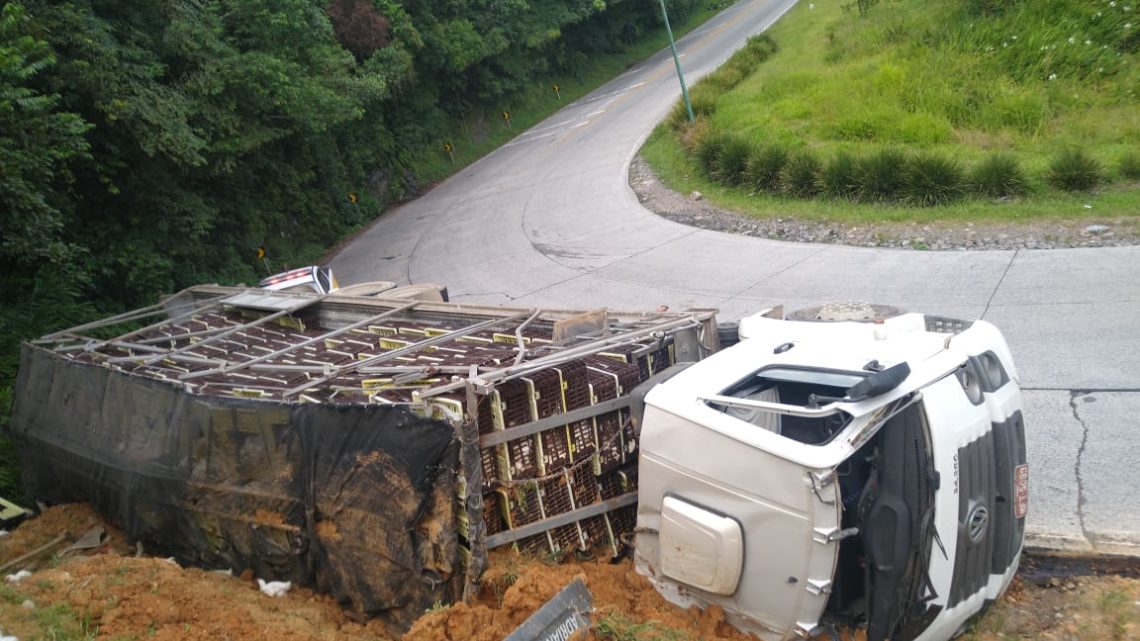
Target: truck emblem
977,523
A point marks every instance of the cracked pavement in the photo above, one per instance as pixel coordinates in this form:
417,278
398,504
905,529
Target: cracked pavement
549,220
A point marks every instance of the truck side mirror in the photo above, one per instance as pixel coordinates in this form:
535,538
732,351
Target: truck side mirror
878,383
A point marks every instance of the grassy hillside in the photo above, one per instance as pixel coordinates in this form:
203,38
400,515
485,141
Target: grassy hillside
962,90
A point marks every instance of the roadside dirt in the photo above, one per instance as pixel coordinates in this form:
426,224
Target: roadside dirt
1082,230
108,593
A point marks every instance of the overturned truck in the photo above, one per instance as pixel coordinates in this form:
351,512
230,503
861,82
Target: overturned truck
867,471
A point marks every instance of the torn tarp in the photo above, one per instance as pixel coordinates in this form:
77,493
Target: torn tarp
356,501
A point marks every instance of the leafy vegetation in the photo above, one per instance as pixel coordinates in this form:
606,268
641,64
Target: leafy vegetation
153,145
998,175
731,161
765,166
1074,170
615,626
1130,166
932,179
918,104
801,175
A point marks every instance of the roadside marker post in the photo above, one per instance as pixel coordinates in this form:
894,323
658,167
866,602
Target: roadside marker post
261,253
507,118
557,91
450,151
677,63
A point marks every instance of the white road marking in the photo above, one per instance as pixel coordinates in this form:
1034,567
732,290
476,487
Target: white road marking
521,139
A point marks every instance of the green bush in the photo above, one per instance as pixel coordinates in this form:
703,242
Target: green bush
880,176
708,150
840,178
703,102
1130,166
932,179
730,164
998,176
801,175
760,47
764,168
1074,170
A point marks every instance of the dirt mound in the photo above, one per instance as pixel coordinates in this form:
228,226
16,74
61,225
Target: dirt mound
111,594
123,597
70,520
625,603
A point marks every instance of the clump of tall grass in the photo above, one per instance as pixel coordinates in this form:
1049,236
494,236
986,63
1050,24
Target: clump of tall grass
880,176
764,168
1129,165
840,176
691,134
703,103
707,150
998,176
932,179
730,163
1074,170
801,176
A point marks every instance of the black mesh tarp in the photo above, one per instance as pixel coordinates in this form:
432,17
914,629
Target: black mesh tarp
356,501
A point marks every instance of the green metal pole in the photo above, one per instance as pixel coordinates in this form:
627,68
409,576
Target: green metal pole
677,62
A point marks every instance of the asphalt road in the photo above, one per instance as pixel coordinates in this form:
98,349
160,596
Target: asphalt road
549,220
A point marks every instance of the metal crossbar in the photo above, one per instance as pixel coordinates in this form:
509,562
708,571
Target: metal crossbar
216,337
414,347
233,367
566,518
511,371
534,427
92,345
125,317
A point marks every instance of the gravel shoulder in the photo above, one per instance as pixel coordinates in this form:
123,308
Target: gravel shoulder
693,210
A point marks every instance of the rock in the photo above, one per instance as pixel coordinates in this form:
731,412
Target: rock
274,588
28,605
17,577
696,195
1097,229
1070,586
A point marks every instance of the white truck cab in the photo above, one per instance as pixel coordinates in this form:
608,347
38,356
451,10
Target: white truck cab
837,473
320,280
312,278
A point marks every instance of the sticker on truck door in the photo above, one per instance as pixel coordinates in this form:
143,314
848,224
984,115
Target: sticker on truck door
1021,491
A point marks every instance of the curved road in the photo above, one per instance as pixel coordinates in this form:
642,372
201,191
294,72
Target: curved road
549,220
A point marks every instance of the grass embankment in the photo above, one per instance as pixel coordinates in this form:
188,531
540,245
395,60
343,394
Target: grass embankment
992,111
483,131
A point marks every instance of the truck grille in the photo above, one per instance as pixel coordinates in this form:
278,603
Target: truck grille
976,500
1009,452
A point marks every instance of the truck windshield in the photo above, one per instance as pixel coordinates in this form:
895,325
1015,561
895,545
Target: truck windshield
840,380
775,390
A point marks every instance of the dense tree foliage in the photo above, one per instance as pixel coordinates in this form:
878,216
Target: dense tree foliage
149,145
